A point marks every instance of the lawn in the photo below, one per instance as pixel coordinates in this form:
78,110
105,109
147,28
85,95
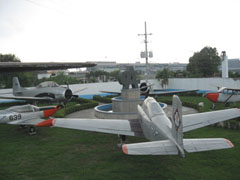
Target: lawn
63,154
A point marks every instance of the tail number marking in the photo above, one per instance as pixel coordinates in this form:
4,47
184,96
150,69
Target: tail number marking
15,117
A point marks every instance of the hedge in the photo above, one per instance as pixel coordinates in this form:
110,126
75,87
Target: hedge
103,99
80,104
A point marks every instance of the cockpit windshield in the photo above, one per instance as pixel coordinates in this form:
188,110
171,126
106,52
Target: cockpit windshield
155,109
47,84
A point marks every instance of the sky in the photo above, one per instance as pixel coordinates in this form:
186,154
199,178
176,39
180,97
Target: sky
107,30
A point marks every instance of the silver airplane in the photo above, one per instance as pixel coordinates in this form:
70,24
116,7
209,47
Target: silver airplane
47,91
165,134
27,115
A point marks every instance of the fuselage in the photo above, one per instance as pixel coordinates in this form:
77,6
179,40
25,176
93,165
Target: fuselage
154,122
25,112
223,97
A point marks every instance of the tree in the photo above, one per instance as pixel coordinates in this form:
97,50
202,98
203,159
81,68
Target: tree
9,58
164,75
26,79
204,63
114,74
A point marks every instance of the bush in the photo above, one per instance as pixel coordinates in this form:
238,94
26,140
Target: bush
79,104
102,99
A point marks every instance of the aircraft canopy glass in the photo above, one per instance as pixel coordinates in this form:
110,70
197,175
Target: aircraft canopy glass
47,84
155,109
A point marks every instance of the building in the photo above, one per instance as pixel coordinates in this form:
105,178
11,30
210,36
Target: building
139,67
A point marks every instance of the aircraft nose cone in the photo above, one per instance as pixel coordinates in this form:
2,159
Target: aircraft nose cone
68,94
212,96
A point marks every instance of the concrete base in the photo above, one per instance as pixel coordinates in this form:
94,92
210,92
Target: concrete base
123,107
128,94
120,105
128,101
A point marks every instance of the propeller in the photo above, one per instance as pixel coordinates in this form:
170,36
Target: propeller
145,89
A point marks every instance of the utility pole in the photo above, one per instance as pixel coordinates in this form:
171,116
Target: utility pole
146,54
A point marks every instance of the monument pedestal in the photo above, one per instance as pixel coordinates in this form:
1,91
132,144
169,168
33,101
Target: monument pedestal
123,107
127,102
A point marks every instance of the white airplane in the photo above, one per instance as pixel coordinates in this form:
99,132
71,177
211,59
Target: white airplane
224,95
27,115
166,135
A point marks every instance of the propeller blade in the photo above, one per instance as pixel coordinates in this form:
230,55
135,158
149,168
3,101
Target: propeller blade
79,90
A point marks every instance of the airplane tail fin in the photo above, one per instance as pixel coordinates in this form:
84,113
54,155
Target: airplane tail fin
16,86
177,124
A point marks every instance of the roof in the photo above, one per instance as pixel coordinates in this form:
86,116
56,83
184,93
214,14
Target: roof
39,66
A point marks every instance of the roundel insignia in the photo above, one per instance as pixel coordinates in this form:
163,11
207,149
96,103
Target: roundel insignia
177,119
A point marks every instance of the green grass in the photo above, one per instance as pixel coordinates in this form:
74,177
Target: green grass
64,154
59,154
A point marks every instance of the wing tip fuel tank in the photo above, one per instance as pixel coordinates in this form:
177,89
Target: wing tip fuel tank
49,112
46,123
124,148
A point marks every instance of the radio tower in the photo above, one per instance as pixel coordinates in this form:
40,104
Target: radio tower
146,54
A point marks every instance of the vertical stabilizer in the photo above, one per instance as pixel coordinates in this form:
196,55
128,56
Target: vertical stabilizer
177,124
16,86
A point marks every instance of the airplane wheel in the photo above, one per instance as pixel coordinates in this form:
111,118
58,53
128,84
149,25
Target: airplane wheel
213,106
32,130
122,140
227,105
23,126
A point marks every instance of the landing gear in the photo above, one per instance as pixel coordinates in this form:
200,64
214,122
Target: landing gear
122,140
227,105
213,106
23,126
32,130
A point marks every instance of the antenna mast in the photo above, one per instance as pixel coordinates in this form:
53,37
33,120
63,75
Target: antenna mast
146,54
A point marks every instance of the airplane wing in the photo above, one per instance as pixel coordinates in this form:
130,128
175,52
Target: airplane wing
30,121
112,92
112,126
26,98
195,121
226,88
162,92
171,92
166,147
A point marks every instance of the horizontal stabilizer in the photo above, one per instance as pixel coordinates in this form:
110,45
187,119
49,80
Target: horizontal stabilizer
197,145
165,147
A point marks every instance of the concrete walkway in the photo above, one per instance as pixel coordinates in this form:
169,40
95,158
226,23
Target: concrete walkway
89,113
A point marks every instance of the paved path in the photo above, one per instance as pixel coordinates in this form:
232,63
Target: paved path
89,113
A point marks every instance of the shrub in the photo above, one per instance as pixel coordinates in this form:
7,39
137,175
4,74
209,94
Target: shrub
102,99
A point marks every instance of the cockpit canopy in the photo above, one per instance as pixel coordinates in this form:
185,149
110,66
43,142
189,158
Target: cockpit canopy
47,84
23,108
